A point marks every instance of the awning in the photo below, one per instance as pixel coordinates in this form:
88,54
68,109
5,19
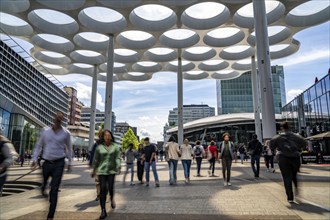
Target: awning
325,135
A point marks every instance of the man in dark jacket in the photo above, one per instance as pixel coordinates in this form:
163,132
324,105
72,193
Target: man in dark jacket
255,150
288,146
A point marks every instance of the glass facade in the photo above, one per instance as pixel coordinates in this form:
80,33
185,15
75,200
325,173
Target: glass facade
99,118
22,131
308,113
235,95
29,89
28,100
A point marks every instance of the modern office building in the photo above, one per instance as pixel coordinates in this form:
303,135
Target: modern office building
235,96
99,118
309,112
79,131
75,106
122,127
28,100
309,115
190,113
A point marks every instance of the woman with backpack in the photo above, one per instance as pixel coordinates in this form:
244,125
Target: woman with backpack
199,153
186,156
212,155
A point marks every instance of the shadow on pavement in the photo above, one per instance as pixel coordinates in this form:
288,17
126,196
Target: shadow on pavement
309,208
129,216
86,205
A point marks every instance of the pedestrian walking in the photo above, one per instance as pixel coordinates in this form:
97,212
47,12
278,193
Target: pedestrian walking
173,150
198,155
140,164
255,150
269,157
212,152
6,159
242,151
106,165
288,146
186,156
148,155
227,157
91,159
161,154
55,144
130,155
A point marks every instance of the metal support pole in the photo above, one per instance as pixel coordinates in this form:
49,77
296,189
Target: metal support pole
109,85
180,99
264,68
93,110
256,99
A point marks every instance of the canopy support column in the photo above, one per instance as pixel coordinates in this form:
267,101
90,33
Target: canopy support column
180,99
93,110
256,98
109,85
264,68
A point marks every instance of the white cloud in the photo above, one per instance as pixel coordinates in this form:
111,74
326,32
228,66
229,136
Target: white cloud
144,132
293,93
84,94
307,57
144,118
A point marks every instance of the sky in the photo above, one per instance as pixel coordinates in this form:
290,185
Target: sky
146,105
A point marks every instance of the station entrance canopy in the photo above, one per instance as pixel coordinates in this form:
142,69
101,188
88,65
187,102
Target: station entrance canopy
217,37
134,39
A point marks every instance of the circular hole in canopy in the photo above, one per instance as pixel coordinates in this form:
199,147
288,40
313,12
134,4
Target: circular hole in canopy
310,8
205,10
153,12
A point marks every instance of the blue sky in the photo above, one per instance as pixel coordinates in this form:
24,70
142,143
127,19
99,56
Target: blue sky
146,104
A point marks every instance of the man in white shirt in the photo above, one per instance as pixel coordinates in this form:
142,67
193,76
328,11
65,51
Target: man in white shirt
54,145
173,151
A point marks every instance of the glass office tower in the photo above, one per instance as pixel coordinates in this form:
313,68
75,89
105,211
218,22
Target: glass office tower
235,95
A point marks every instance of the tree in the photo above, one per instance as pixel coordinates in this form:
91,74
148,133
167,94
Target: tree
128,138
142,141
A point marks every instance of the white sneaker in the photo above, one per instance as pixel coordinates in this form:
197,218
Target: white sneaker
229,184
225,183
268,170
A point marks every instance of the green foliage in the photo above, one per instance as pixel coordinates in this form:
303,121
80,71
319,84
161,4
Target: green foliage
129,137
142,141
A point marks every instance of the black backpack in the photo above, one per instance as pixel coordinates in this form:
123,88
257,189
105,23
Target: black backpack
197,151
288,147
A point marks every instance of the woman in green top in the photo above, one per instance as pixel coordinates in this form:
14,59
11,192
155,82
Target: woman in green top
106,165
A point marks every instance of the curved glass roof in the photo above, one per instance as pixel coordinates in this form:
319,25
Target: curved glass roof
214,39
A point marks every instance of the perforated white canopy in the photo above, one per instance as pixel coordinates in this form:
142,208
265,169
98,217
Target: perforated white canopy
217,38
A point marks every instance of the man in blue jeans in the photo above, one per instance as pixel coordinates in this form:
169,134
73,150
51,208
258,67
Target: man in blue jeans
148,155
255,150
173,151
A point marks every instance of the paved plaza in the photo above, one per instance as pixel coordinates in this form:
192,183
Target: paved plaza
204,198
